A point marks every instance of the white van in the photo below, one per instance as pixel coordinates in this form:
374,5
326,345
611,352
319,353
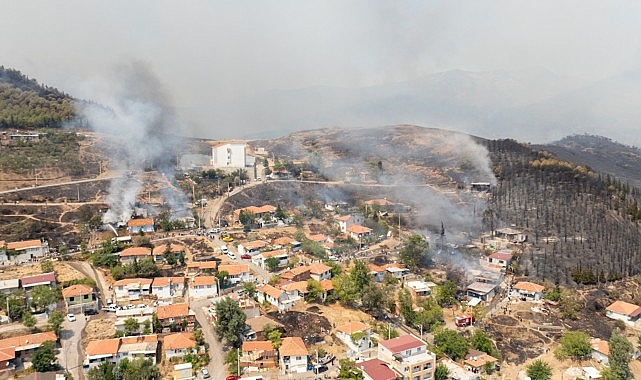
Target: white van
224,249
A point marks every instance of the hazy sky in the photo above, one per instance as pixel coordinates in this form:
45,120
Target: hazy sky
212,56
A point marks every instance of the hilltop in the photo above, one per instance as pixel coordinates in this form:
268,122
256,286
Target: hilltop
27,104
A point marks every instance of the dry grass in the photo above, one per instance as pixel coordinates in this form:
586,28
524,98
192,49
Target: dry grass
100,329
63,271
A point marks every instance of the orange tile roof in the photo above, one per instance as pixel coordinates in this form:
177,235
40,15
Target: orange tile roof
296,271
358,229
480,360
18,245
277,252
139,339
135,251
327,285
625,308
128,281
376,268
234,269
174,248
179,341
380,202
319,268
140,222
344,218
203,264
172,311
529,287
164,281
8,353
601,346
255,244
271,291
28,340
203,280
257,346
103,347
283,240
300,286
353,327
77,290
317,237
293,346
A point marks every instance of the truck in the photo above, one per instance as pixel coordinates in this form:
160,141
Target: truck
464,320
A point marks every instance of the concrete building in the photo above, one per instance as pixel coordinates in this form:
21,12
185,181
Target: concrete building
293,355
408,355
229,155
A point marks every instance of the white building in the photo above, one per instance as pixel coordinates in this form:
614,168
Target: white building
25,250
229,155
408,355
131,289
280,254
282,300
203,287
236,273
293,355
168,287
116,349
356,336
623,311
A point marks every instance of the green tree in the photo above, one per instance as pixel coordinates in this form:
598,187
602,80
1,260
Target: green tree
272,263
414,251
451,343
46,266
231,359
539,370
155,323
104,371
249,288
246,218
44,360
620,355
146,327
406,306
273,334
349,370
314,290
430,317
42,296
445,293
573,344
55,321
28,320
138,369
16,307
441,372
131,326
230,322
373,298
480,341
280,213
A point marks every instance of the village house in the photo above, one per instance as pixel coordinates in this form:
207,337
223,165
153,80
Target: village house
7,362
131,254
300,273
23,346
320,271
201,267
408,356
500,259
376,369
528,291
132,289
328,288
261,214
236,273
136,226
623,311
251,248
203,287
277,297
183,371
358,232
258,355
356,336
177,345
229,155
510,234
296,290
396,270
600,350
115,349
293,355
9,286
166,288
283,242
79,298
177,314
457,371
478,361
420,289
159,251
279,254
45,279
345,221
378,272
485,291
21,251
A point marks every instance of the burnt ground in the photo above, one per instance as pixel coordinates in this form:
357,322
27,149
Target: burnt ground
310,326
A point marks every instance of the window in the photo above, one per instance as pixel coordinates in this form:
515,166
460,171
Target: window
427,375
427,366
86,296
416,368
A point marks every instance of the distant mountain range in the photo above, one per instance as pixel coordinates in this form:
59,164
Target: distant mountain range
528,105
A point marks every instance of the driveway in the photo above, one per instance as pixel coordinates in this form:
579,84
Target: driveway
216,365
70,356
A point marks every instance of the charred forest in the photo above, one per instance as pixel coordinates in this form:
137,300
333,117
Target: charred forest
583,226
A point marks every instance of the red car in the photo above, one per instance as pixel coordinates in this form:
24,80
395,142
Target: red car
246,257
232,377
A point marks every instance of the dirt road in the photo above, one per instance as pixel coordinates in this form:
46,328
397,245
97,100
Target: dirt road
70,356
91,272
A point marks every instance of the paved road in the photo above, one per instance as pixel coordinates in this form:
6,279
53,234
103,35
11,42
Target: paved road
71,353
216,365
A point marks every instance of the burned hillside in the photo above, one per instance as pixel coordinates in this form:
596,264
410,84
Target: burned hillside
583,227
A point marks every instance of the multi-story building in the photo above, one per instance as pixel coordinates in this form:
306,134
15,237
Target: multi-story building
116,349
408,355
293,355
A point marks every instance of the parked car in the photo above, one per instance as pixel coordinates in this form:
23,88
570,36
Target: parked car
71,317
245,256
131,306
228,239
224,249
91,312
205,372
232,377
142,306
231,255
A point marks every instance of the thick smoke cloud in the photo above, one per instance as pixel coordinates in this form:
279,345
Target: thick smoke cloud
134,114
